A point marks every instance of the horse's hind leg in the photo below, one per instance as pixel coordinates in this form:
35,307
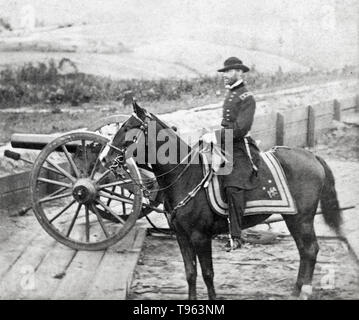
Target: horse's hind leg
302,230
190,264
203,247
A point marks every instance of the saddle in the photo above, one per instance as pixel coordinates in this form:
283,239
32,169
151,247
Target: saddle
271,196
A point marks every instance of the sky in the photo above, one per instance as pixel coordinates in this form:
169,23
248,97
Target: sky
308,29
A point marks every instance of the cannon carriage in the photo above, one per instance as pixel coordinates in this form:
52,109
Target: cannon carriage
75,198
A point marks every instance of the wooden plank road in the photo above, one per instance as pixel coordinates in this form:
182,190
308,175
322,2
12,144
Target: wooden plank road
35,266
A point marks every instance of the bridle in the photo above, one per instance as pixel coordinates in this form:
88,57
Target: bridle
120,161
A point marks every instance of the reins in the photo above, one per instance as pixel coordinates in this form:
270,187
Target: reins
120,159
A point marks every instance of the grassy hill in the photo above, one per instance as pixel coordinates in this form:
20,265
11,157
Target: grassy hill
183,38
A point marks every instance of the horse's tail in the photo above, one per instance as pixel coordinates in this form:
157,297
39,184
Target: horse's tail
329,200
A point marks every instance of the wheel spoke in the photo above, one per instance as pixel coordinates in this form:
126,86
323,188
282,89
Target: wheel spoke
71,161
87,224
100,221
57,192
58,183
106,173
53,170
122,195
118,198
96,163
47,199
83,143
109,200
123,204
107,208
73,220
64,172
62,211
116,183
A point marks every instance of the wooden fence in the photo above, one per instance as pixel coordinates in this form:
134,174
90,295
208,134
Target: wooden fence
300,127
297,127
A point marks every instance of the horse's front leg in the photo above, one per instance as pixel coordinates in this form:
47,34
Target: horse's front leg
190,264
203,247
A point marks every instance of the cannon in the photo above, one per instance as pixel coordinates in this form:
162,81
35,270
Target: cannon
106,126
36,141
74,197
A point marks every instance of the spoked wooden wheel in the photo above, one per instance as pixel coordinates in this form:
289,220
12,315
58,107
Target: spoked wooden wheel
108,127
79,202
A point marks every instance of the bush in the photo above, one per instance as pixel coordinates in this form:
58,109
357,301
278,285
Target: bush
5,24
46,83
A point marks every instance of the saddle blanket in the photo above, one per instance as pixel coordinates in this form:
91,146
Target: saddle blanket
271,196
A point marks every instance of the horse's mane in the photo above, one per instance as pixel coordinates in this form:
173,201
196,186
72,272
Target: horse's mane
161,122
166,126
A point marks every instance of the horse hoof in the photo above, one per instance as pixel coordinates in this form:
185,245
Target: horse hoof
306,292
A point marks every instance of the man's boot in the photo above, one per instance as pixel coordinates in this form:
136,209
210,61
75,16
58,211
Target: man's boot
236,206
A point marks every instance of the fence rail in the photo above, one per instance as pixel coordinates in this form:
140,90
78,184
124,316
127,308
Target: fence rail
297,127
300,127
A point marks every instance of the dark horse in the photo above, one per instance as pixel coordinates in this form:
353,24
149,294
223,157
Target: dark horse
310,181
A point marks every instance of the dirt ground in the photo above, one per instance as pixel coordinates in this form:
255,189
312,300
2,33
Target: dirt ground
268,271
341,142
256,272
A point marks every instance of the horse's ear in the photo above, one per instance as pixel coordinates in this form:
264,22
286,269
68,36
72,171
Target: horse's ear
140,112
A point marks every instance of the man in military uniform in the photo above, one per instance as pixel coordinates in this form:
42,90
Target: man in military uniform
238,114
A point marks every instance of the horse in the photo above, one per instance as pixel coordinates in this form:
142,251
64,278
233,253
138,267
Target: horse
189,214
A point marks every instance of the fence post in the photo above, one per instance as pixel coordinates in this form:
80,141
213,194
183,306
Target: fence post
311,127
279,129
337,110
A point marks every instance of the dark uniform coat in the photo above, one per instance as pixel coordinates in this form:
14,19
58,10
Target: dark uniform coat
238,114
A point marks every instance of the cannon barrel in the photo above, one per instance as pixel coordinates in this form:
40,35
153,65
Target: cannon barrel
37,141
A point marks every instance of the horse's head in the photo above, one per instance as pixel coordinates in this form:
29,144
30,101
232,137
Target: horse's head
133,131
146,138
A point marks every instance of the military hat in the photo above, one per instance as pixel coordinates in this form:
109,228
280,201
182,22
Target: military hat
233,63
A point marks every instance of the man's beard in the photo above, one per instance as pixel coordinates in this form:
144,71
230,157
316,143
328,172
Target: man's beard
229,82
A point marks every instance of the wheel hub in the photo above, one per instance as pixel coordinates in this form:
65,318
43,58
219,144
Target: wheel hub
84,191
